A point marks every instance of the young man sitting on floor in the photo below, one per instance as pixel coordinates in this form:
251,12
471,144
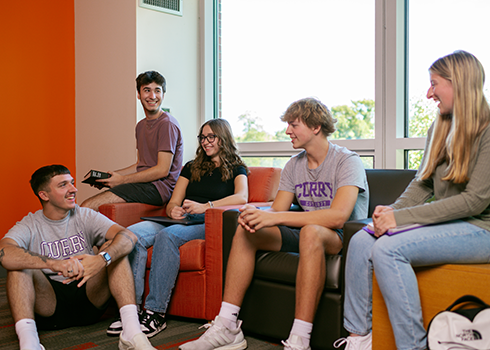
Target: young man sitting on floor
54,278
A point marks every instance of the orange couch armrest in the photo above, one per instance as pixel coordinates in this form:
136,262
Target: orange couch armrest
127,214
214,261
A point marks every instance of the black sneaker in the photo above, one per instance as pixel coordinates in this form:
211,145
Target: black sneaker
152,323
115,328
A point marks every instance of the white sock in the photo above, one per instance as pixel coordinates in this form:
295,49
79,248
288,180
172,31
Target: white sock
302,329
27,333
130,321
229,314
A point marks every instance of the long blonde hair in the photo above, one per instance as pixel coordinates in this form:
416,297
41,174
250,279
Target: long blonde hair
454,136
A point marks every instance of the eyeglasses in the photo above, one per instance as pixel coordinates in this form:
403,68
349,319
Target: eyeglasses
210,138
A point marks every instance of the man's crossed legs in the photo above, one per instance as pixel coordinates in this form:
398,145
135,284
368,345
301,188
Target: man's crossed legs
54,305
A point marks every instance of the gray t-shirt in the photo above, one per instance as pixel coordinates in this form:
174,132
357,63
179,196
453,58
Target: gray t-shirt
316,188
75,234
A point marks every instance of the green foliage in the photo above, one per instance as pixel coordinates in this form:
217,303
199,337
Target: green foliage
281,135
253,131
355,121
422,113
415,158
368,162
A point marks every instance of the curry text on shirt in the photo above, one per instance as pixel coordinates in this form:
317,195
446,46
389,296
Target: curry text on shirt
64,247
314,189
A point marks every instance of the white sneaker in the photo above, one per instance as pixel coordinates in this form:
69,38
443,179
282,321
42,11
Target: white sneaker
294,342
42,347
364,342
218,337
139,342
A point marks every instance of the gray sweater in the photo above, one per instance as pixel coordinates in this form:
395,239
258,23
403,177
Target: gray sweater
467,201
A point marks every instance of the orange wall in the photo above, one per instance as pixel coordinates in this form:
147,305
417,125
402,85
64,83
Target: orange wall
37,95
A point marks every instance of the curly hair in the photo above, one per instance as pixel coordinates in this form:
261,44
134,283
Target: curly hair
312,113
228,153
149,77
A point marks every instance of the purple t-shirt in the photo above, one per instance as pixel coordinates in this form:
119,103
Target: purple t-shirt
160,135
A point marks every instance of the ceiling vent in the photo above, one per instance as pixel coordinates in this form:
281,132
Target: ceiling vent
173,7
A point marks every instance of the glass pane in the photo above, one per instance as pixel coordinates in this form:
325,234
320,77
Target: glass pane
437,28
280,162
368,162
274,52
414,158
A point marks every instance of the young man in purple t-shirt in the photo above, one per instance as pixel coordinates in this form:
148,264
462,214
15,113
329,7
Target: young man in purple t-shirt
159,145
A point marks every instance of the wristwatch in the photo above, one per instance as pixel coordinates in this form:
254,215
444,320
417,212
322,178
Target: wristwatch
106,257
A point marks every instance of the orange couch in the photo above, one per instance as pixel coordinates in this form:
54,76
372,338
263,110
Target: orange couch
199,286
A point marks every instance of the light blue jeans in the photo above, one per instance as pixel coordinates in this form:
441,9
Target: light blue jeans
392,257
165,261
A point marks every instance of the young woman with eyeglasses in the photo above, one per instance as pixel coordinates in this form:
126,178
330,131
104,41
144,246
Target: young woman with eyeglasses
216,177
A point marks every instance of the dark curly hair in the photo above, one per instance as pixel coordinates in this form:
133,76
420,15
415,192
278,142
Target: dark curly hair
228,153
151,77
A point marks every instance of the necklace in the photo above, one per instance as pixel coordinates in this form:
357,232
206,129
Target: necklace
150,123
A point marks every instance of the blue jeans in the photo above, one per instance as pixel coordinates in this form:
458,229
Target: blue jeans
392,257
165,261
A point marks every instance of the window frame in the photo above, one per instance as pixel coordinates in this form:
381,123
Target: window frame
391,103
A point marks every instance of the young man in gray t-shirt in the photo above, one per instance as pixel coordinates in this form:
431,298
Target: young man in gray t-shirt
55,280
329,183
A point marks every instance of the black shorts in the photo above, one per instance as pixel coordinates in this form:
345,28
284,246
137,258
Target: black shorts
73,308
143,192
290,238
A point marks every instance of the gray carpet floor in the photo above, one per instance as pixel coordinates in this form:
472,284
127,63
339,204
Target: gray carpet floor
94,337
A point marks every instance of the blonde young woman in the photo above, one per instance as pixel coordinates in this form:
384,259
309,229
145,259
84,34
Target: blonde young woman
456,223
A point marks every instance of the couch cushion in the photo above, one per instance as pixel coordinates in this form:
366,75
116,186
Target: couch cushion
380,180
282,267
263,183
191,256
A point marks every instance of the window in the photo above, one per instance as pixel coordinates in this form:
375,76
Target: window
385,49
437,28
275,52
